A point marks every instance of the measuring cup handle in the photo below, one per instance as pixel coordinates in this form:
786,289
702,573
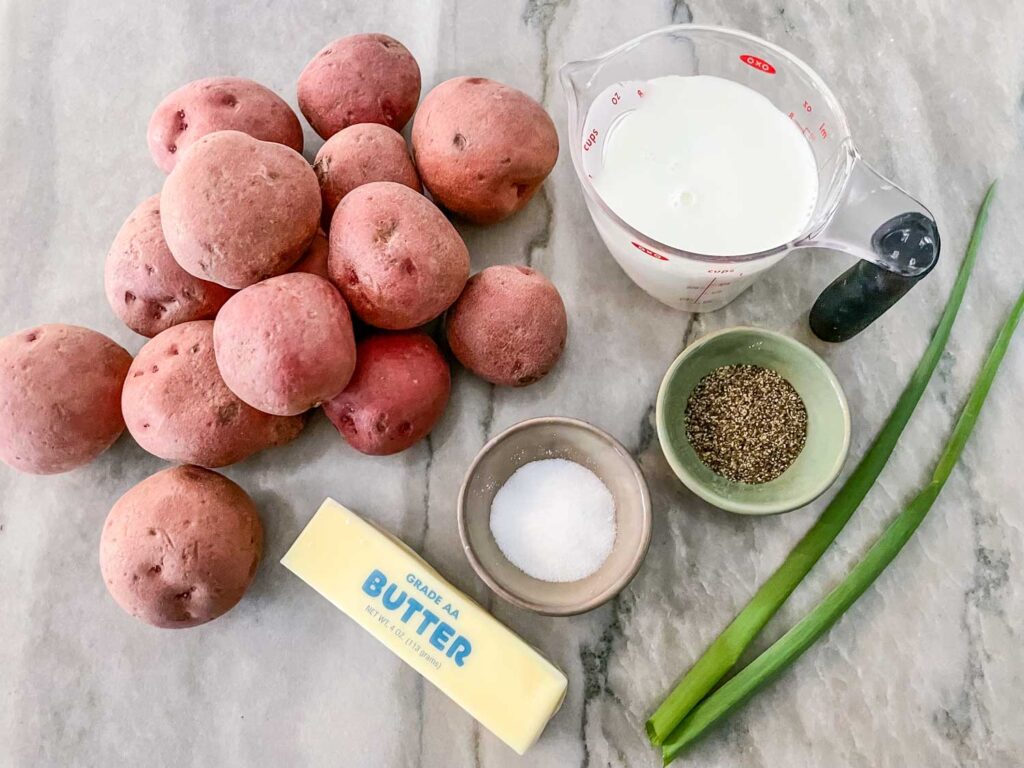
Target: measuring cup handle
896,239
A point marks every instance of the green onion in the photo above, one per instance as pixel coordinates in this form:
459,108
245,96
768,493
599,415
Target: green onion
727,648
788,648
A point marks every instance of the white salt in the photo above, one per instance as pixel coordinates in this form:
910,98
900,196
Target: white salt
554,520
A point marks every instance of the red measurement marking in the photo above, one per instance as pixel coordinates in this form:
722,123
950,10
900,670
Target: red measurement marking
706,287
616,98
591,140
640,92
821,130
806,131
725,271
648,251
759,64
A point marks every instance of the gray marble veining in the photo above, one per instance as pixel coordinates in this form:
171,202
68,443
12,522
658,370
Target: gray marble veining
926,670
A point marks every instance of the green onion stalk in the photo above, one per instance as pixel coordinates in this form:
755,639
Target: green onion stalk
727,648
788,648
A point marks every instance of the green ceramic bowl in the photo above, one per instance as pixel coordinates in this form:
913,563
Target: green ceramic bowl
828,420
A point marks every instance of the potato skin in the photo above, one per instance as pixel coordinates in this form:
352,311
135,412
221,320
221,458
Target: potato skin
60,397
314,261
177,406
397,394
482,148
236,210
218,104
180,548
285,345
145,287
359,155
396,259
509,325
365,78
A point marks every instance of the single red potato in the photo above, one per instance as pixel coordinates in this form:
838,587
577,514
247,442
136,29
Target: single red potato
180,548
60,397
286,344
397,394
236,210
482,148
395,257
219,104
359,155
366,78
509,325
314,261
145,286
177,406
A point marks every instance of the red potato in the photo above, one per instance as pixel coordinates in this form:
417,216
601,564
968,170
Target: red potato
236,210
366,78
219,104
145,286
180,548
482,148
508,326
361,154
397,394
395,257
177,406
285,345
314,261
60,397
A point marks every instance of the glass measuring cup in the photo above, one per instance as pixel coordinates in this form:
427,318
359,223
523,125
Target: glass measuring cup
858,211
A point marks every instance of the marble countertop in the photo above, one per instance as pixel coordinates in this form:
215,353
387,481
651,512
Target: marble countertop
925,670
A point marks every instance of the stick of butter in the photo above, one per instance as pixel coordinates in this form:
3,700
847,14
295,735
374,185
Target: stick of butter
401,600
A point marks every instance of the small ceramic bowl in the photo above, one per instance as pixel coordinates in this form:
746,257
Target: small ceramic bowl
555,438
828,420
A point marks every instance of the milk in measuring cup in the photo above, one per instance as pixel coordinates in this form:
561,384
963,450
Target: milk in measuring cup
709,166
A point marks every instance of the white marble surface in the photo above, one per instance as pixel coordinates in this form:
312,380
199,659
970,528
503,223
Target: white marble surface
925,671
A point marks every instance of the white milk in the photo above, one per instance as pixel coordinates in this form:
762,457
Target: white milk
709,166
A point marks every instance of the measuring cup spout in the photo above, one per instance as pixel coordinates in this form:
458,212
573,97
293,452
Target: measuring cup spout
573,76
896,239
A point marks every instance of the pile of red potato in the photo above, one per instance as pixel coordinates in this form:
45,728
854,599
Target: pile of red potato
248,303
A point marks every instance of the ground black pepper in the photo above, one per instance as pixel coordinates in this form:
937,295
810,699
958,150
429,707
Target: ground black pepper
746,423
